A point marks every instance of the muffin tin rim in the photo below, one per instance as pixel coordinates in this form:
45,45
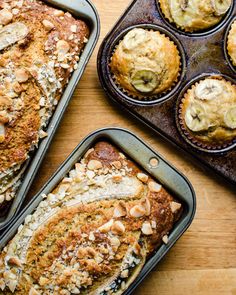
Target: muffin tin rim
186,87
168,94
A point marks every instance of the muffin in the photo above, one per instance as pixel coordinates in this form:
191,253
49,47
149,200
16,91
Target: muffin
145,63
207,113
231,46
195,15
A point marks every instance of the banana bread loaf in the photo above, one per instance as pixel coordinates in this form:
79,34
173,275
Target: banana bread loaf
93,233
39,49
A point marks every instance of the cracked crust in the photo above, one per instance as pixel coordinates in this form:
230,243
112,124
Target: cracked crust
93,233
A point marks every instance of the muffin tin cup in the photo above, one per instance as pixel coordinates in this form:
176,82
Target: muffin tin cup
201,53
143,155
151,99
194,142
227,56
85,10
199,33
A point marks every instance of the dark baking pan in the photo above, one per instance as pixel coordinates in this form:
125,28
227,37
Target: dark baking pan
140,153
202,54
85,10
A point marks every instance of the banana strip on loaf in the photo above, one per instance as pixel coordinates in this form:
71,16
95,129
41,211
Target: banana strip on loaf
39,49
93,233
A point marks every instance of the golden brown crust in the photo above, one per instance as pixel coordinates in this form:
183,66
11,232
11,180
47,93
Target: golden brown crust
194,15
204,112
93,232
143,52
231,45
33,71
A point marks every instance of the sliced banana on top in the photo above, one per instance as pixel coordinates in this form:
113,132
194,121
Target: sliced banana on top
196,117
221,6
178,9
230,118
12,33
134,38
145,81
208,89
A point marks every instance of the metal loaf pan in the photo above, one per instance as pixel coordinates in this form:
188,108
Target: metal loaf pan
140,153
85,10
202,54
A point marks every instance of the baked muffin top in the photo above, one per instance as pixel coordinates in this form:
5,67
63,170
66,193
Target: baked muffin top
145,63
194,15
209,110
231,46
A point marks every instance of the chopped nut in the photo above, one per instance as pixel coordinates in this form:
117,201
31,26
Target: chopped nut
120,210
90,174
137,211
94,165
65,66
33,291
137,248
146,203
118,228
12,285
106,227
91,236
147,229
15,11
175,206
14,261
124,273
43,281
5,17
115,241
154,224
143,177
117,178
165,239
116,164
63,46
42,134
48,25
58,13
2,134
88,152
21,75
154,187
73,28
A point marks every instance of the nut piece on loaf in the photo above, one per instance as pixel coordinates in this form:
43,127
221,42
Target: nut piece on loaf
39,49
93,233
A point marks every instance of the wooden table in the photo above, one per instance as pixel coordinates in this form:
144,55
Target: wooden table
204,260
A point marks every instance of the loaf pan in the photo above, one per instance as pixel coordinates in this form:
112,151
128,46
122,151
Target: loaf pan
202,54
140,153
85,10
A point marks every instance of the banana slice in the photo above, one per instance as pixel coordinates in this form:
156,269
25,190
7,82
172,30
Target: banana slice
230,118
144,81
221,6
12,33
178,9
208,89
134,38
196,118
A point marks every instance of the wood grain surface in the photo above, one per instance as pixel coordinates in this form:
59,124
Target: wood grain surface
204,260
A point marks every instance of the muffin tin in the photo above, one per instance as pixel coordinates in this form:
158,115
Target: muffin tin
83,9
203,54
150,161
